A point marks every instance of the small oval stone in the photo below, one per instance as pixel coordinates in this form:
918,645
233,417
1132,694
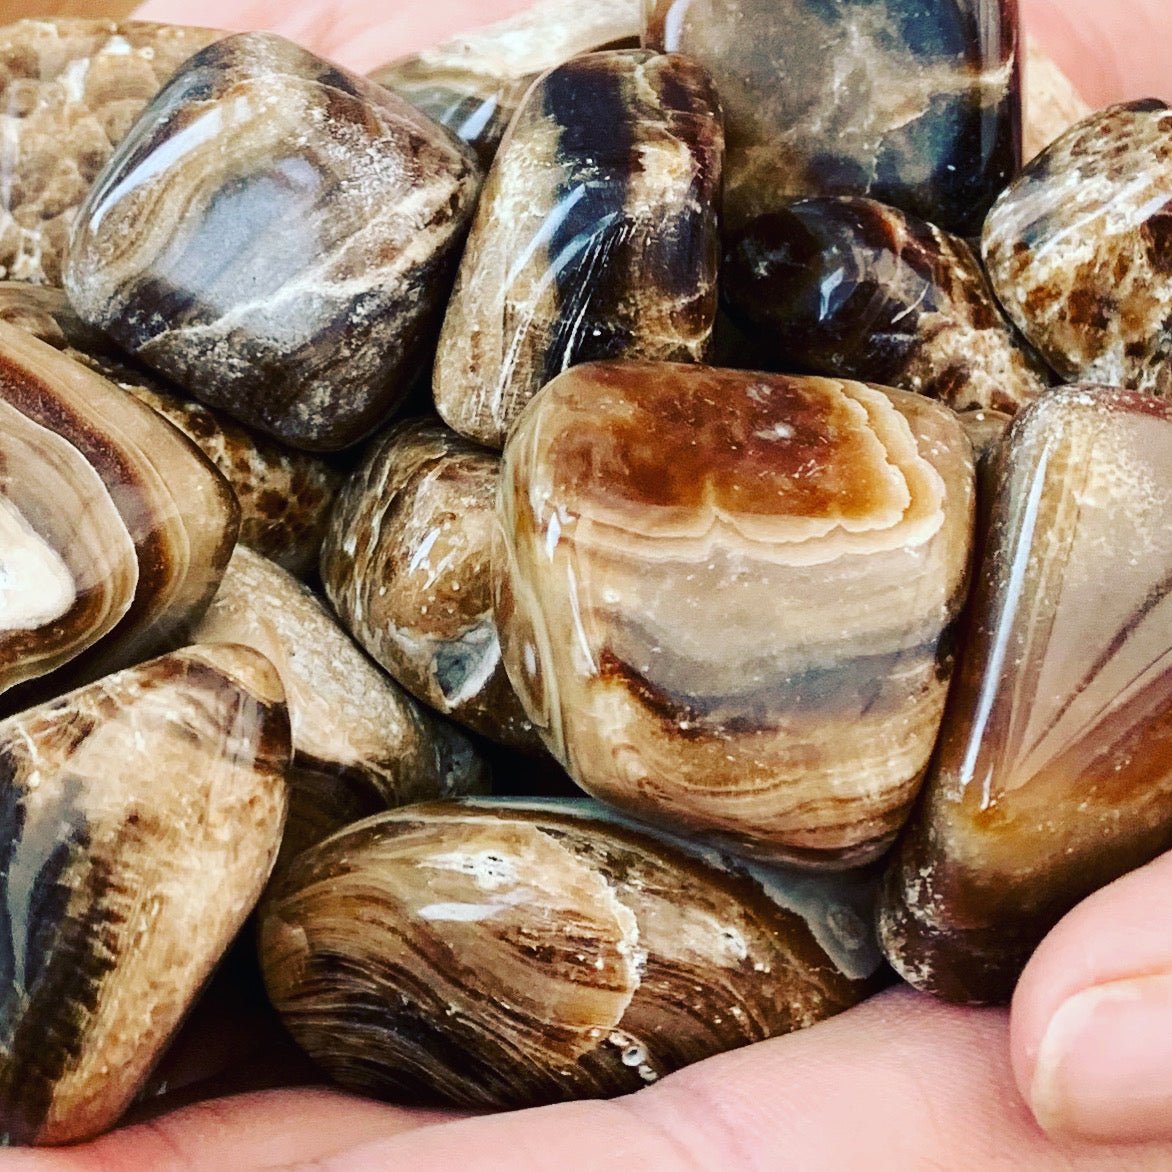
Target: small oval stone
276,235
726,599
516,954
407,564
1079,249
596,236
139,820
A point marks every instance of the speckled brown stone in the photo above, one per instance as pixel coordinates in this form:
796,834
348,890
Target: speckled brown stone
276,236
407,564
1079,249
70,89
596,236
855,289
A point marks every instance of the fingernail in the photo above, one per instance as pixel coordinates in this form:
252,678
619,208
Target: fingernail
1104,1069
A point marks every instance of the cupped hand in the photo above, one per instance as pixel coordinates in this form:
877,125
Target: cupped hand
900,1082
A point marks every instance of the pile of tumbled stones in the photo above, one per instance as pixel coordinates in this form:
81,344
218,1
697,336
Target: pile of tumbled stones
698,407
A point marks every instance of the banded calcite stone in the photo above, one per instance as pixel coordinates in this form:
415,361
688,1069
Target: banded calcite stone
474,83
114,528
360,745
1054,774
853,288
139,820
913,103
407,564
70,89
726,599
596,236
276,236
515,954
1079,249
285,496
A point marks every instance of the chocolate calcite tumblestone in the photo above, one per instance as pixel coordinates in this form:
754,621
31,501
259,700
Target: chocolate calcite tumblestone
474,83
70,89
511,954
912,102
1079,249
851,287
139,820
407,564
1054,774
596,236
725,598
276,236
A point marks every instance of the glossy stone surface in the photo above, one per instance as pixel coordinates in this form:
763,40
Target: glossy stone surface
1054,773
139,818
407,564
726,598
276,236
514,954
70,89
596,236
853,288
474,83
114,529
1079,249
285,496
360,744
910,102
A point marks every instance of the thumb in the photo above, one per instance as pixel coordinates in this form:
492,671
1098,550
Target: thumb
1092,1017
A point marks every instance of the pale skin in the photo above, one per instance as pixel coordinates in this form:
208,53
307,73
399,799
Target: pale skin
901,1082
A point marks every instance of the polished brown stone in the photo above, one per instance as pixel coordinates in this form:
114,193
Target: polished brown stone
726,598
276,236
512,954
1054,773
853,288
596,236
139,820
1079,249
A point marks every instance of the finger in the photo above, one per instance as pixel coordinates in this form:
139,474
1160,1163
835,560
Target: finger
1092,1019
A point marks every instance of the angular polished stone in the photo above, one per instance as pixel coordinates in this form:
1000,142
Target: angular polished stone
855,289
596,236
726,598
114,528
70,90
474,83
514,954
360,744
276,236
1054,773
285,496
1079,249
139,820
910,102
407,565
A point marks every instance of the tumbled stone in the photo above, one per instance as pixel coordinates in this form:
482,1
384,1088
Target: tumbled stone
725,599
360,745
913,104
70,90
285,496
407,564
514,954
1052,102
139,820
276,235
1079,249
596,236
1054,773
114,528
474,83
853,288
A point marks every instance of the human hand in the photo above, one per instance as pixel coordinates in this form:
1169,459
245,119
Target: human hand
899,1082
